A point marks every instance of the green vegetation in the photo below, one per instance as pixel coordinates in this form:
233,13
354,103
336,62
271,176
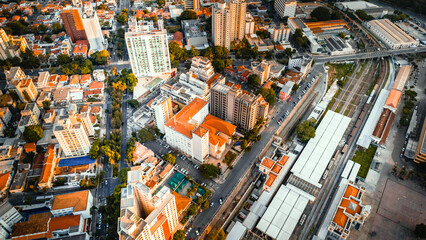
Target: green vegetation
177,54
179,235
364,158
253,80
301,41
216,234
341,72
122,175
262,34
363,16
342,35
59,182
269,95
209,171
78,65
46,104
94,150
33,133
219,57
244,50
187,15
414,5
145,135
89,183
407,110
358,74
229,158
111,212
306,130
100,58
133,103
122,17
131,149
169,158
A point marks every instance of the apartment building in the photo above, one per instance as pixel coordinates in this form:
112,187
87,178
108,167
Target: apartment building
25,89
11,47
29,116
228,22
43,79
73,24
71,136
202,67
93,29
230,103
261,69
145,216
5,115
8,217
15,73
162,111
249,26
148,48
281,33
194,34
285,8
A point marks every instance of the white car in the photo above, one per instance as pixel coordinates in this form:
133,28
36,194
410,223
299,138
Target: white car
196,232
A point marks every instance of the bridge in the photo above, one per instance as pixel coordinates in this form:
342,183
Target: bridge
367,55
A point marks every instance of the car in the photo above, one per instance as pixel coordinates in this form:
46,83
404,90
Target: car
294,103
220,201
189,230
289,99
196,167
211,204
197,233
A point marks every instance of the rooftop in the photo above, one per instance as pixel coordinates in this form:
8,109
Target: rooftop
75,200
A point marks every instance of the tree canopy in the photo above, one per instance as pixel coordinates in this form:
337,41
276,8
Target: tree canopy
301,41
169,158
420,230
208,171
216,234
320,14
306,130
100,58
33,133
187,15
145,135
179,235
269,95
253,80
94,150
363,16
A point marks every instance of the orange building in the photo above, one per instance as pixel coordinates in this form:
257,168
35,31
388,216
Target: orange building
73,24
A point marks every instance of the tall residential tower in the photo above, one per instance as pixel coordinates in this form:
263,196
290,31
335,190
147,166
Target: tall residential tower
228,22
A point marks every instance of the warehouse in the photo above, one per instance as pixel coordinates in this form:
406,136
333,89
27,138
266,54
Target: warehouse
390,34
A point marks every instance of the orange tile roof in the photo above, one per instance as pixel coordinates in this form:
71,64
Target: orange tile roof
48,164
267,162
215,124
271,179
84,109
4,178
76,16
180,122
182,202
393,98
75,79
63,78
276,169
279,47
200,131
283,160
95,109
96,85
351,191
213,79
80,49
63,223
76,200
340,218
352,211
85,78
37,52
268,85
30,147
166,170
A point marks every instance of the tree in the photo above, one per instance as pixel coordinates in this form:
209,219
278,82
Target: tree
208,171
218,65
33,133
100,58
154,18
420,230
193,51
306,130
363,16
205,204
132,80
145,135
46,104
94,150
63,59
42,28
192,210
320,14
179,235
295,87
187,15
169,158
248,149
301,41
133,103
122,18
122,175
161,3
336,15
48,39
216,234
342,35
269,95
253,80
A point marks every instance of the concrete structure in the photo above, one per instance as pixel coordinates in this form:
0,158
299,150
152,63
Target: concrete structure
295,23
162,111
369,8
29,116
194,36
71,136
301,64
198,134
202,67
328,28
390,34
75,203
249,27
228,22
43,79
73,24
420,155
337,46
261,69
15,73
145,216
285,8
281,33
5,115
230,103
350,213
11,47
93,30
8,217
192,4
26,90
148,48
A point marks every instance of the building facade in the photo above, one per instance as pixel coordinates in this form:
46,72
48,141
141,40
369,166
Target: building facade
162,109
285,8
281,33
8,217
228,22
73,24
390,34
11,47
202,67
26,90
148,48
71,136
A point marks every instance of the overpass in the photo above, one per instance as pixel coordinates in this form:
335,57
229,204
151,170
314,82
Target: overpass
367,55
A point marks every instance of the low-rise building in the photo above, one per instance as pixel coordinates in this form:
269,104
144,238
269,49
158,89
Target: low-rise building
75,203
261,69
194,36
390,34
5,115
281,33
49,164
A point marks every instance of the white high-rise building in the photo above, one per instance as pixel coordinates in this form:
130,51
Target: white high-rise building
148,48
281,33
285,8
94,32
71,136
228,22
202,67
162,109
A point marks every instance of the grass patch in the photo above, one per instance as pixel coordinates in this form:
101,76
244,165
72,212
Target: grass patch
340,72
229,158
364,158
